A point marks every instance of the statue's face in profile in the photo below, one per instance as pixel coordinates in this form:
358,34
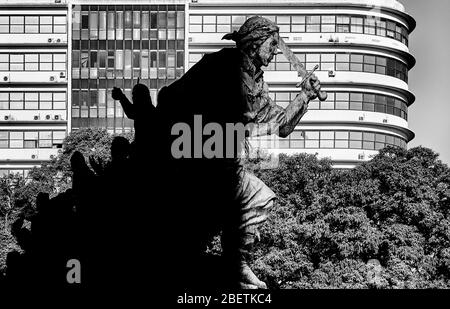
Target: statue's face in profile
267,50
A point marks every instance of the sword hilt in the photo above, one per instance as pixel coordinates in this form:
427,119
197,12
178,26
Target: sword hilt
322,95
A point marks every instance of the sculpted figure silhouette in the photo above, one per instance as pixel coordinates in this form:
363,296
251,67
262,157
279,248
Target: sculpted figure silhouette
167,209
227,87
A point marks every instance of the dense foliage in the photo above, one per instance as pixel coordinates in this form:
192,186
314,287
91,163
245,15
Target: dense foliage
384,224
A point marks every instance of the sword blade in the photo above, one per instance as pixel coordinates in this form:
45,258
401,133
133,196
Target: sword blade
299,67
292,58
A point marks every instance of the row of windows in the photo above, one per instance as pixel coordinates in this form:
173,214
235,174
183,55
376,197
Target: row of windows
33,24
32,62
113,125
305,23
137,34
31,139
353,62
128,24
99,103
32,100
145,42
22,172
357,101
112,8
332,140
158,77
108,84
152,44
127,59
102,20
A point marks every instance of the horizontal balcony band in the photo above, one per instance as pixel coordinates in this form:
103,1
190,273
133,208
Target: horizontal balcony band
21,155
32,46
33,126
32,77
34,86
25,165
35,6
337,156
4,123
23,40
33,116
351,116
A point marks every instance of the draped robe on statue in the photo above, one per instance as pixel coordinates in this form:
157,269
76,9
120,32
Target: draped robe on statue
212,195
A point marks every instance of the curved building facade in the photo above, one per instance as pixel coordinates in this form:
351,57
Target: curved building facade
362,49
59,60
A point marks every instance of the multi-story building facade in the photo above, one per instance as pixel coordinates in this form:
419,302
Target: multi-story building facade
113,44
33,82
361,47
60,59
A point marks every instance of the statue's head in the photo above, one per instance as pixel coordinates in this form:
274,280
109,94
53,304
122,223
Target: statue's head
77,162
141,94
120,148
258,38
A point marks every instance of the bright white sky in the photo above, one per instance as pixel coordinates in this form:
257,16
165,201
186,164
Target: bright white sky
429,80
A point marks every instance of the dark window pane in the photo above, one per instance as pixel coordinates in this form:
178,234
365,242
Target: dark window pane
94,44
84,21
368,107
380,108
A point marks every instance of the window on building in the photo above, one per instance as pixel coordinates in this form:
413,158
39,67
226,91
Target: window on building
17,100
4,139
328,23
313,23
16,62
17,24
31,24
357,24
4,24
31,100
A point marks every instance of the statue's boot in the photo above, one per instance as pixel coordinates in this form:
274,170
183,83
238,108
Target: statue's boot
249,279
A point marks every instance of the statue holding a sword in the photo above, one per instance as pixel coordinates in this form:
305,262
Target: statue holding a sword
228,87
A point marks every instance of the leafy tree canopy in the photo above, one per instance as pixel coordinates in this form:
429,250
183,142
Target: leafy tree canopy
384,224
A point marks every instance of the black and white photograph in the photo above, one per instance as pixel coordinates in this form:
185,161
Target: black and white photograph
215,153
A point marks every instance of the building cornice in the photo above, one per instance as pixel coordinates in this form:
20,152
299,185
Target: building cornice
410,21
